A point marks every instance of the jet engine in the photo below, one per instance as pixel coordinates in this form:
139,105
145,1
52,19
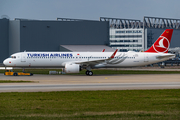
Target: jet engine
72,68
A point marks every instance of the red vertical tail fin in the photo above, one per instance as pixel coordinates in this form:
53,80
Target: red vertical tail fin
162,44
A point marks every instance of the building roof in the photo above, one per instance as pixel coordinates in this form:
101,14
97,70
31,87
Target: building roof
86,48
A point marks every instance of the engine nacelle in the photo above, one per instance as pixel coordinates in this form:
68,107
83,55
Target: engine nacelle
72,68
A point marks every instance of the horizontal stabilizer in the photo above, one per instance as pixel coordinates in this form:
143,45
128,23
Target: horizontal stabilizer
165,56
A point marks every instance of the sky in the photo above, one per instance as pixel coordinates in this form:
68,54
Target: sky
89,9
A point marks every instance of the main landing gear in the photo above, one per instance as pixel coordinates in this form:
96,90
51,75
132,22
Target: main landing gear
90,73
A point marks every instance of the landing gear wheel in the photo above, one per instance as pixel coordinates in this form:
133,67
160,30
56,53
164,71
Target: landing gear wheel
15,74
90,73
87,72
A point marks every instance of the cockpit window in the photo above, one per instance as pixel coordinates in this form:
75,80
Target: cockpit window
13,57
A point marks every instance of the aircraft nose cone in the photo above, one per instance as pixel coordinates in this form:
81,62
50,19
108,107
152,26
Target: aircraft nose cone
5,62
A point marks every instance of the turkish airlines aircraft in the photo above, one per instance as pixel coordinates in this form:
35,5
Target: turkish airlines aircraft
73,62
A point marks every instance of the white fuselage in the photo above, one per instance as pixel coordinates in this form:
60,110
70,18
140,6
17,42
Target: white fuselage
59,59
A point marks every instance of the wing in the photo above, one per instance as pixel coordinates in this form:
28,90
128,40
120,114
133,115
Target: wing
95,62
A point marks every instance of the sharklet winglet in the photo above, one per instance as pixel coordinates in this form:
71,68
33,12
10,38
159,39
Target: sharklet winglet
112,56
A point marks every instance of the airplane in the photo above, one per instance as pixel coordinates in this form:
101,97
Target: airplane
73,62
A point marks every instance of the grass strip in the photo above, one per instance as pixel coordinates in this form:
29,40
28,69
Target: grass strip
90,105
17,81
108,72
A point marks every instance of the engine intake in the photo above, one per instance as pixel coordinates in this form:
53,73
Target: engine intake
72,68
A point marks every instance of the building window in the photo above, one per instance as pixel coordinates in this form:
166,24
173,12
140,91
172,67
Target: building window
126,45
125,36
130,31
117,41
120,31
123,50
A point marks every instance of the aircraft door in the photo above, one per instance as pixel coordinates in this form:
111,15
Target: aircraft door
78,57
146,59
23,57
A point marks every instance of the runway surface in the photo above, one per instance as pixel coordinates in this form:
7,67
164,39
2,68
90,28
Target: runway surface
80,82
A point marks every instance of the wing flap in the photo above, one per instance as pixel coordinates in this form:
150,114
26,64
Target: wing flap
94,62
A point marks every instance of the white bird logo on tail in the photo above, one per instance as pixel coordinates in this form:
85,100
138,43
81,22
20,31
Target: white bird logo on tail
161,44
